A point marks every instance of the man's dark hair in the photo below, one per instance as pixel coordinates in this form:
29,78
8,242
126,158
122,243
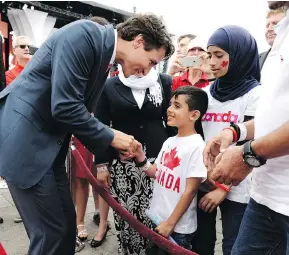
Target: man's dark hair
197,99
100,20
191,36
152,29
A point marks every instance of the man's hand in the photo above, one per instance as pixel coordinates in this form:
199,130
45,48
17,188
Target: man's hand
215,146
230,167
124,143
210,201
104,177
165,229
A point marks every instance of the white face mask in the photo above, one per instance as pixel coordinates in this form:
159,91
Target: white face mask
279,25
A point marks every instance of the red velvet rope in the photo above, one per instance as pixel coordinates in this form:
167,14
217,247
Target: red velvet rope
103,191
2,251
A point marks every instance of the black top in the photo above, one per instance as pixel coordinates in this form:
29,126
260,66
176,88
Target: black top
2,70
118,108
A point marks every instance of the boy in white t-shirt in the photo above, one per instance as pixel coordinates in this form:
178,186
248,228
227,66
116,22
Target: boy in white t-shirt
179,169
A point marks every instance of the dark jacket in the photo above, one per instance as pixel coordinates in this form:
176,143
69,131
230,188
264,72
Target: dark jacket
2,70
51,99
118,107
262,58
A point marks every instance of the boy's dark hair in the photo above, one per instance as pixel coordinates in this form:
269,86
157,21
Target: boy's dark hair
191,36
197,99
100,20
151,28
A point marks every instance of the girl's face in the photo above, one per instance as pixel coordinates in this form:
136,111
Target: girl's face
219,61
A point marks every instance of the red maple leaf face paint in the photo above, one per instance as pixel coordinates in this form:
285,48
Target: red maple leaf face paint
225,63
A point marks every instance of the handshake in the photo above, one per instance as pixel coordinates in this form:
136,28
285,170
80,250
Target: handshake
127,146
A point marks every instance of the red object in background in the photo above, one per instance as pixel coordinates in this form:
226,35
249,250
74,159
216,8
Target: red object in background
86,156
183,80
2,251
114,73
13,73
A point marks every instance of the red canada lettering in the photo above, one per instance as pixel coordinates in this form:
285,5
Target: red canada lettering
169,181
220,117
177,185
162,182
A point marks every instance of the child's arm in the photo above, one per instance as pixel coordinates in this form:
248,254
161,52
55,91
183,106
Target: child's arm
167,227
145,165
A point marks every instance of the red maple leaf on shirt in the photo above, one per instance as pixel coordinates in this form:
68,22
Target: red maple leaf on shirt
171,160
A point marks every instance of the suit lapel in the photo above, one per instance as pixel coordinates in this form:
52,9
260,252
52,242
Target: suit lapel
125,92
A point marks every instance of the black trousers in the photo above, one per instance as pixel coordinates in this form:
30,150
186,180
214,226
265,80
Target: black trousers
48,214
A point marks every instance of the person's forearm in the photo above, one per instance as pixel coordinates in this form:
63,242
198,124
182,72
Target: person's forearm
250,129
275,144
181,208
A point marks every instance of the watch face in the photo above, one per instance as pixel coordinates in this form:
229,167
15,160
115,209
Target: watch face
252,161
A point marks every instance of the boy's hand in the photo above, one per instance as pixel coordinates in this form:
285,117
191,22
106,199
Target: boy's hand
139,153
165,229
210,201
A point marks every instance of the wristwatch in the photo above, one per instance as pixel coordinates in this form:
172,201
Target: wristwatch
250,158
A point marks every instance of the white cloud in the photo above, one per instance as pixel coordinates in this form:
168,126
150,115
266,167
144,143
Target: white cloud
203,17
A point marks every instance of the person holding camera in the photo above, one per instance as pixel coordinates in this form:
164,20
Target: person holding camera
197,70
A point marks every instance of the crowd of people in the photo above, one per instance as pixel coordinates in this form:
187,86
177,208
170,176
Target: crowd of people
173,149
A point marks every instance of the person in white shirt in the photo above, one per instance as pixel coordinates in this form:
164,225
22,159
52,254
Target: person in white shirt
265,225
233,96
178,169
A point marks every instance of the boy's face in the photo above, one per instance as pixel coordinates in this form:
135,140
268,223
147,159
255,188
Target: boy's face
178,112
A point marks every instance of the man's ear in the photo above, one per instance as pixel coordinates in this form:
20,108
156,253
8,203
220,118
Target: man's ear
138,41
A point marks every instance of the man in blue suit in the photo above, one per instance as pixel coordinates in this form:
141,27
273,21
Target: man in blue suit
52,99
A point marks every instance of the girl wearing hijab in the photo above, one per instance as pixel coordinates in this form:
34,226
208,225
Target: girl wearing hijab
233,96
136,106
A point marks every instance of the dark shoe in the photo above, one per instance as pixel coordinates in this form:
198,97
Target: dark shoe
96,218
1,220
95,243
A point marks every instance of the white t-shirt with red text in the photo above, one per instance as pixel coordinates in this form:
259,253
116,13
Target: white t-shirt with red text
218,116
180,158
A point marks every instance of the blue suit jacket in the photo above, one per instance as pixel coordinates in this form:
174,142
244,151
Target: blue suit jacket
53,98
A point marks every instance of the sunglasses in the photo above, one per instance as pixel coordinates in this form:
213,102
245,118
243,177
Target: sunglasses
23,46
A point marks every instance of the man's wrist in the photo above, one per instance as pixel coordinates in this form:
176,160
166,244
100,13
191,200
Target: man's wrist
257,148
